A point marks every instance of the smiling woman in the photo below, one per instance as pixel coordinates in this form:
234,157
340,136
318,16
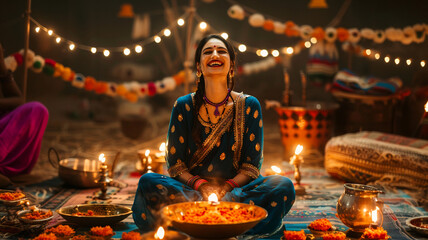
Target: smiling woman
215,145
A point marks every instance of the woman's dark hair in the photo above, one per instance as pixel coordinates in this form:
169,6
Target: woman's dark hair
200,92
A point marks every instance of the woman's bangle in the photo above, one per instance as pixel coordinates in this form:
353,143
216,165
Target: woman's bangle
191,181
199,183
232,183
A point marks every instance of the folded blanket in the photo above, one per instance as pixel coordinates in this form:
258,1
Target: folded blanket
348,81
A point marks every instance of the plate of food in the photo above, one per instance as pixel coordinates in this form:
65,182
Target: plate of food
12,198
220,220
320,227
418,224
35,216
94,214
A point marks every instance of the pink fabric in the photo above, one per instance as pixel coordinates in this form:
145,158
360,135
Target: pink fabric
21,133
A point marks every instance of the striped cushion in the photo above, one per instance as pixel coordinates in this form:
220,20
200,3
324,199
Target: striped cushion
379,158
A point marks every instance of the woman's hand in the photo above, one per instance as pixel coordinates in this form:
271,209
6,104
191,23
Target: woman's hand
206,189
225,188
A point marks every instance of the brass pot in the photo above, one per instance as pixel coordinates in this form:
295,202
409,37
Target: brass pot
357,205
79,172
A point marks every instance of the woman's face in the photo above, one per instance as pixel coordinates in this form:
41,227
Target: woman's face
215,59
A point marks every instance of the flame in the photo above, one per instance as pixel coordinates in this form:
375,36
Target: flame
162,147
147,153
299,149
426,107
374,216
160,233
102,158
276,169
213,197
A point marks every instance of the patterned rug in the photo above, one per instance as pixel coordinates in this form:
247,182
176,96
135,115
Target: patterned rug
320,201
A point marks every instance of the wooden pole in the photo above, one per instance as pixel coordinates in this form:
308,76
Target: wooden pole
187,62
27,43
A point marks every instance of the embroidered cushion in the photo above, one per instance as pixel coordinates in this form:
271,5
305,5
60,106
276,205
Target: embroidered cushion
374,157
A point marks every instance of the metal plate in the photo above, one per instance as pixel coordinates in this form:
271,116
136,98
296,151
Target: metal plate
104,214
212,231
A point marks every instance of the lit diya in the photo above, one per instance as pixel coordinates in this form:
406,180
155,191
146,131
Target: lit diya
161,233
214,219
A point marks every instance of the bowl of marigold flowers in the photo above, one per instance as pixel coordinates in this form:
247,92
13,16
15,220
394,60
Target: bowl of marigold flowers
62,232
322,226
11,198
334,236
45,236
375,234
35,216
131,235
297,235
79,237
100,233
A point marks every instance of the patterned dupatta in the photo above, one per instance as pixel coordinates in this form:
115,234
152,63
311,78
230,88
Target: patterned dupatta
218,132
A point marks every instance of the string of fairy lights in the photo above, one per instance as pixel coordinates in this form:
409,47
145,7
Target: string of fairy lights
204,26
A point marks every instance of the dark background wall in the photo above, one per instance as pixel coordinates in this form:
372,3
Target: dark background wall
96,23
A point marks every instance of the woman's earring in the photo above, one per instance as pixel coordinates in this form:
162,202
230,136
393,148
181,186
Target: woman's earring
198,74
231,74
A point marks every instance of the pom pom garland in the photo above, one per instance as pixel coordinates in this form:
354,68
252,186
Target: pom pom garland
18,57
30,56
10,63
412,34
278,27
38,64
236,12
256,20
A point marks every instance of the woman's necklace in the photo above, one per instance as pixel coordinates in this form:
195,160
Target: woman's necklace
208,116
216,105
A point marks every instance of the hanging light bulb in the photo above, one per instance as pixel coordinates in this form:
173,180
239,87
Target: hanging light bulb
71,46
275,53
314,40
423,63
180,22
157,39
397,61
225,35
289,50
138,48
387,59
308,44
93,50
377,55
37,29
106,53
126,51
203,26
58,40
167,32
368,52
409,61
264,53
50,32
242,48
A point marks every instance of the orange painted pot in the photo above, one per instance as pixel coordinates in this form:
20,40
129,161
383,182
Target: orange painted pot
311,126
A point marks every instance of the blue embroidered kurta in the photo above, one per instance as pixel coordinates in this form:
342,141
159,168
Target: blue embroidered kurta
233,145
